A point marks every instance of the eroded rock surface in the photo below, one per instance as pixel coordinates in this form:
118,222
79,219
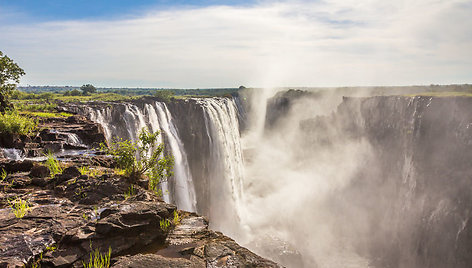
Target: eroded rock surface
71,214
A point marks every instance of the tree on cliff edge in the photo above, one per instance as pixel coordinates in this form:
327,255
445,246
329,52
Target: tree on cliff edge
87,89
10,74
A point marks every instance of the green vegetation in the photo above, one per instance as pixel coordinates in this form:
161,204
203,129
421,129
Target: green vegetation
14,123
3,175
20,207
84,170
10,74
88,89
165,95
92,172
176,218
34,107
98,260
47,115
145,157
53,165
41,98
165,224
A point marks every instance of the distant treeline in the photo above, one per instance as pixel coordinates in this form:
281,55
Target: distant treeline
135,91
347,91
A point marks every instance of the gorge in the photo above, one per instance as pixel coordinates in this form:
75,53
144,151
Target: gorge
310,180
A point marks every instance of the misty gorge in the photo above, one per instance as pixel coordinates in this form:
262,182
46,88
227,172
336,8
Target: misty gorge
318,178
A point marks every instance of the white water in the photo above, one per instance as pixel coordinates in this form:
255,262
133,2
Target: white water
226,182
155,118
184,192
72,138
274,203
13,154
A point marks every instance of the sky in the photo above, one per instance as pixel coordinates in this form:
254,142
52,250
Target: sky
260,43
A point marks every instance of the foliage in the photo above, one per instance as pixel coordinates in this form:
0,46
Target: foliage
47,114
20,207
119,171
176,217
144,157
164,224
10,74
3,175
165,95
74,92
87,89
35,107
14,123
84,170
98,260
53,165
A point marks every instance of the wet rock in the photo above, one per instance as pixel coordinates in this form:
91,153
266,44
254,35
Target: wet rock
40,182
53,146
16,166
39,171
67,174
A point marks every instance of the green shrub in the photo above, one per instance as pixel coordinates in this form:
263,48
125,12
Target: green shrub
13,123
53,165
165,95
145,157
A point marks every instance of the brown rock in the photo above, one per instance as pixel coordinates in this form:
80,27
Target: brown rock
39,171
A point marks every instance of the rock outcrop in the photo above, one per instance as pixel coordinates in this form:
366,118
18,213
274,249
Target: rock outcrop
55,135
70,215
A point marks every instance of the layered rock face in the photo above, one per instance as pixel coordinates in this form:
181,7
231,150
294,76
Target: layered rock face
70,215
56,134
414,193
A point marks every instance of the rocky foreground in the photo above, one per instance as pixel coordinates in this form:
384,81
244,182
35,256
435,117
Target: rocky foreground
72,214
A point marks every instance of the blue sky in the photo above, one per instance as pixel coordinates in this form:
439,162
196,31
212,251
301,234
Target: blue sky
230,43
41,10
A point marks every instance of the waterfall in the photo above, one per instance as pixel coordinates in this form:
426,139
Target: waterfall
184,192
72,138
226,182
126,124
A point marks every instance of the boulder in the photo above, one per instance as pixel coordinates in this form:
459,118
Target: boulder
16,166
39,171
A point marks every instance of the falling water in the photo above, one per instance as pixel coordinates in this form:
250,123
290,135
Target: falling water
226,180
155,117
184,192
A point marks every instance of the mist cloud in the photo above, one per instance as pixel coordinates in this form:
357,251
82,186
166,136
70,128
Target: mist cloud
294,43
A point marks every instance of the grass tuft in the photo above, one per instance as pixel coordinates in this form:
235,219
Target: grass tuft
53,165
98,260
20,207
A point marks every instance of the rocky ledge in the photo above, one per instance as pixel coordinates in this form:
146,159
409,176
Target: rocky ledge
71,215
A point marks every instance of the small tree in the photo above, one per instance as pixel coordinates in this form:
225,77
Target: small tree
164,94
145,157
10,74
88,89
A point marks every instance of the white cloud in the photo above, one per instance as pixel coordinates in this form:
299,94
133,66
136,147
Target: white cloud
307,43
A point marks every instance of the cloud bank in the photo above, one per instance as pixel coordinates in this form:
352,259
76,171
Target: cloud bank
290,43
